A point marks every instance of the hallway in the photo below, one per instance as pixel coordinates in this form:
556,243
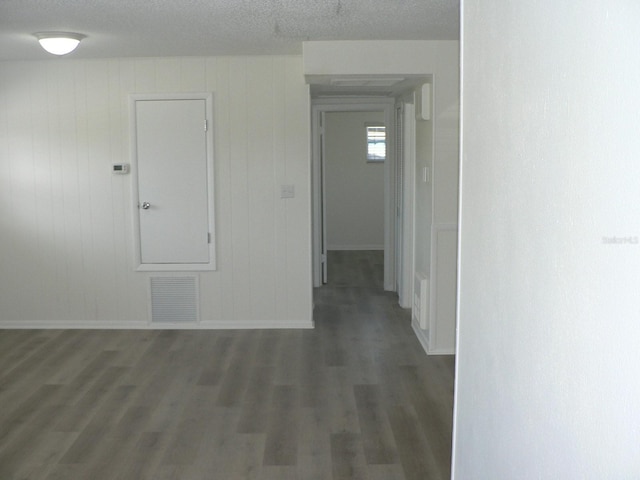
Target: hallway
354,398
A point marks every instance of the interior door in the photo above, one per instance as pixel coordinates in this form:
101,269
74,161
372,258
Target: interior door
171,156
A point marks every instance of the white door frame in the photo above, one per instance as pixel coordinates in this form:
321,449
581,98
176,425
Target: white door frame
362,104
405,293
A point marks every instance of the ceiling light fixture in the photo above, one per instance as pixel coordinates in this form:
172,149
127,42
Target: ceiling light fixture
59,43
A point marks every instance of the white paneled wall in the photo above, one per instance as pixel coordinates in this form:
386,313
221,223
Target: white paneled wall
66,222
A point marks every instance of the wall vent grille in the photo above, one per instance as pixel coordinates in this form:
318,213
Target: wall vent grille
174,299
421,301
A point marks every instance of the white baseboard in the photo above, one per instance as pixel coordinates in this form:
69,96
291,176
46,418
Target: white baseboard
62,325
254,324
424,341
145,325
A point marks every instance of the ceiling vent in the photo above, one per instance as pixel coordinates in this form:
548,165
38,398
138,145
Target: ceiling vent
366,82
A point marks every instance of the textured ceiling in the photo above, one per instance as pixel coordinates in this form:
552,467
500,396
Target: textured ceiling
133,28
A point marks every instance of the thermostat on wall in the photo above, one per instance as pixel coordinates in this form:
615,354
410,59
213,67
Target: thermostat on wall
120,168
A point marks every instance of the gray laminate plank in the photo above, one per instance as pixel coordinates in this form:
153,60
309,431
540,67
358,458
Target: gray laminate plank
15,340
192,425
434,415
254,413
170,472
64,472
268,347
113,406
144,457
38,455
215,364
17,416
71,364
281,444
309,354
385,472
227,455
338,402
16,450
84,448
314,446
377,437
415,455
236,375
77,415
168,395
347,457
286,363
277,472
35,352
18,379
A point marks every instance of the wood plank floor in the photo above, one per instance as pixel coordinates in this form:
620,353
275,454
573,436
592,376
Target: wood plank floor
355,398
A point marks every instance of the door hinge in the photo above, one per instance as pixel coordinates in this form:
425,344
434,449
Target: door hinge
323,258
206,125
208,238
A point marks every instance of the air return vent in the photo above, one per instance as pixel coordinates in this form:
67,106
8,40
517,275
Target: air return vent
174,299
421,301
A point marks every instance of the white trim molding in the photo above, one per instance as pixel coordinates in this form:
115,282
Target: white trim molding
145,325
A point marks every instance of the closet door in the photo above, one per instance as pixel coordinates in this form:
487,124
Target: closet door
172,167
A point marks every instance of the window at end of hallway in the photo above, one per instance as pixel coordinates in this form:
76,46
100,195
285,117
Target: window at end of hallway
376,143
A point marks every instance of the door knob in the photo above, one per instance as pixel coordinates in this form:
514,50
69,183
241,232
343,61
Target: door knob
145,205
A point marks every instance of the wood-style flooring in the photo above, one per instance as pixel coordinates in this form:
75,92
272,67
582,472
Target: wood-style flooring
354,398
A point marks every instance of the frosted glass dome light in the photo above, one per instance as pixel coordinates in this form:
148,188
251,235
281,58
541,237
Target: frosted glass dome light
59,43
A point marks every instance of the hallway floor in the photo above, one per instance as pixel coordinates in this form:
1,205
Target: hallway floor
354,398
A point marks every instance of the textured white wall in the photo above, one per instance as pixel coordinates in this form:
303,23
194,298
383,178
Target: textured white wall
547,378
354,188
66,223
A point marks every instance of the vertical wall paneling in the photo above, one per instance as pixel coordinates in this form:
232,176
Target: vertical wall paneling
168,73
261,195
145,79
278,104
99,183
224,202
6,241
67,235
117,152
192,74
71,170
443,294
55,248
298,173
241,291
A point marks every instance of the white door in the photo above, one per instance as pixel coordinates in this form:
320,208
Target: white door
173,196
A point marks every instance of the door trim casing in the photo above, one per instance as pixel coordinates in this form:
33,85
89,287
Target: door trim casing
209,135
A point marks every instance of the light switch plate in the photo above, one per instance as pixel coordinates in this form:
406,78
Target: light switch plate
425,174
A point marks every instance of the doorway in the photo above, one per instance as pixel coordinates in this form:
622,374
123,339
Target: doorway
321,109
354,155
